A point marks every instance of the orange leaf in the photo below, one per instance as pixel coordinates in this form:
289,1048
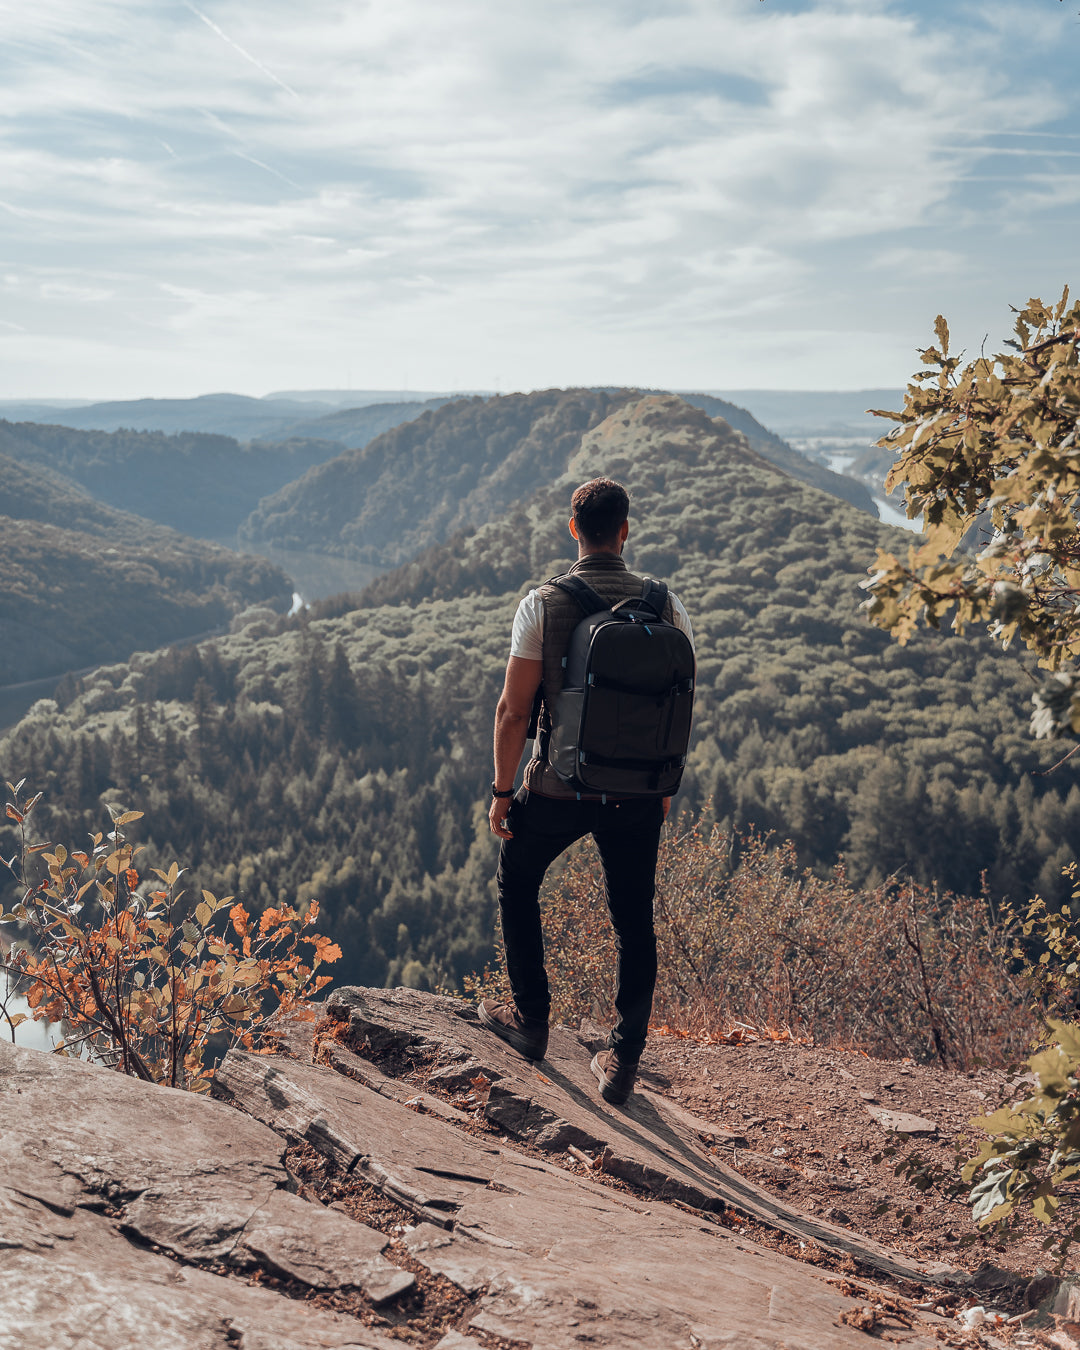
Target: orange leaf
326,949
132,878
240,919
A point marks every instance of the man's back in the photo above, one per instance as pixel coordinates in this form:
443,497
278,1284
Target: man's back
543,627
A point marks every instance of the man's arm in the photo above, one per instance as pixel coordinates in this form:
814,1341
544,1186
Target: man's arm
511,727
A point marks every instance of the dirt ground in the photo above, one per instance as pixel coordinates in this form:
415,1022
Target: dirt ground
806,1117
800,1121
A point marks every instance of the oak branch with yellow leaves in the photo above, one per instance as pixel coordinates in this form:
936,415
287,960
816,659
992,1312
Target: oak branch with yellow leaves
989,456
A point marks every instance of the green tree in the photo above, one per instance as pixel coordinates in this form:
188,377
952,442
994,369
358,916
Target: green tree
991,448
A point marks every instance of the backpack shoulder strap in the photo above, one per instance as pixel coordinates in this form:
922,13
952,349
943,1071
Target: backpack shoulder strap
582,592
654,594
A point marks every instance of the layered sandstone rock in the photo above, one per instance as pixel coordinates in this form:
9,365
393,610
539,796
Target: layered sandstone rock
133,1215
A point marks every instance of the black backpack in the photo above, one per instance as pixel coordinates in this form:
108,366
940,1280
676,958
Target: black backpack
621,722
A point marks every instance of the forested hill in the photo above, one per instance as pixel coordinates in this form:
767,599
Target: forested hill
417,483
348,757
782,456
200,484
659,445
460,465
85,583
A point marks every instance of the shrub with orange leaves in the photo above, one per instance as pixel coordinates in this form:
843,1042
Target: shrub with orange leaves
140,980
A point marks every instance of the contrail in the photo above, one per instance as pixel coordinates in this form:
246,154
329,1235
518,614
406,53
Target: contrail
1007,150
236,47
269,169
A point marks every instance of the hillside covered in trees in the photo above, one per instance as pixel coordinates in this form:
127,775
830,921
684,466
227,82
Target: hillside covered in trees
84,583
416,484
462,464
781,455
346,755
204,485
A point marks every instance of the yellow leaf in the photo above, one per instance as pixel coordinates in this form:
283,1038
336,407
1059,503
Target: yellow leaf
1067,1035
1045,1207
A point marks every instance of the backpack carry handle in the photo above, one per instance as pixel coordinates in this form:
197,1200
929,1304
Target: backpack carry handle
653,596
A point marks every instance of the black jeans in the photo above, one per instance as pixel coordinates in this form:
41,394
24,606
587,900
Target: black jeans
627,835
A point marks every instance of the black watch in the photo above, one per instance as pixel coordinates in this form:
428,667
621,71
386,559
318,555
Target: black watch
501,795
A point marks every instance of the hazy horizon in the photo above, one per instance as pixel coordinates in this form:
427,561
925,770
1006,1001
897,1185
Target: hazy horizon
402,395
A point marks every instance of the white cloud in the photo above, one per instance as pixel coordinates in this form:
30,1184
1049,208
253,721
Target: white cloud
566,192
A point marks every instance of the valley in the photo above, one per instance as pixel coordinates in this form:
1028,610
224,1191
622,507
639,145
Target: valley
342,752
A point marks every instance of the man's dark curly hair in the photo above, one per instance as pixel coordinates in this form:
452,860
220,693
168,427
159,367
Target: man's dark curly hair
600,507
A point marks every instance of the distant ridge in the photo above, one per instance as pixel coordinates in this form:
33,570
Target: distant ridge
814,412
360,398
219,414
782,411
236,415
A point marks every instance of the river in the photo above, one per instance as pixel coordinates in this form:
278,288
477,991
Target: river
316,576
841,458
33,1035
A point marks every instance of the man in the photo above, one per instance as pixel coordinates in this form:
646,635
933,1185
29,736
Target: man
546,815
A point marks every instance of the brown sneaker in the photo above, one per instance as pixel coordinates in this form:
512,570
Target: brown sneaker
615,1078
527,1035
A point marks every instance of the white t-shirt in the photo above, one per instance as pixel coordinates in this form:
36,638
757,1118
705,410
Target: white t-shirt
527,638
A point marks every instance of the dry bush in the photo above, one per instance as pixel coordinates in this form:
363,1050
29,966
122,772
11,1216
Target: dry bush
139,978
747,939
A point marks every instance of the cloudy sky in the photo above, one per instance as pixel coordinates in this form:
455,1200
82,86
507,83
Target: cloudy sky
252,195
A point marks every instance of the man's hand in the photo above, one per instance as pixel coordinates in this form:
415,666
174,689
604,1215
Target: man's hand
500,806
